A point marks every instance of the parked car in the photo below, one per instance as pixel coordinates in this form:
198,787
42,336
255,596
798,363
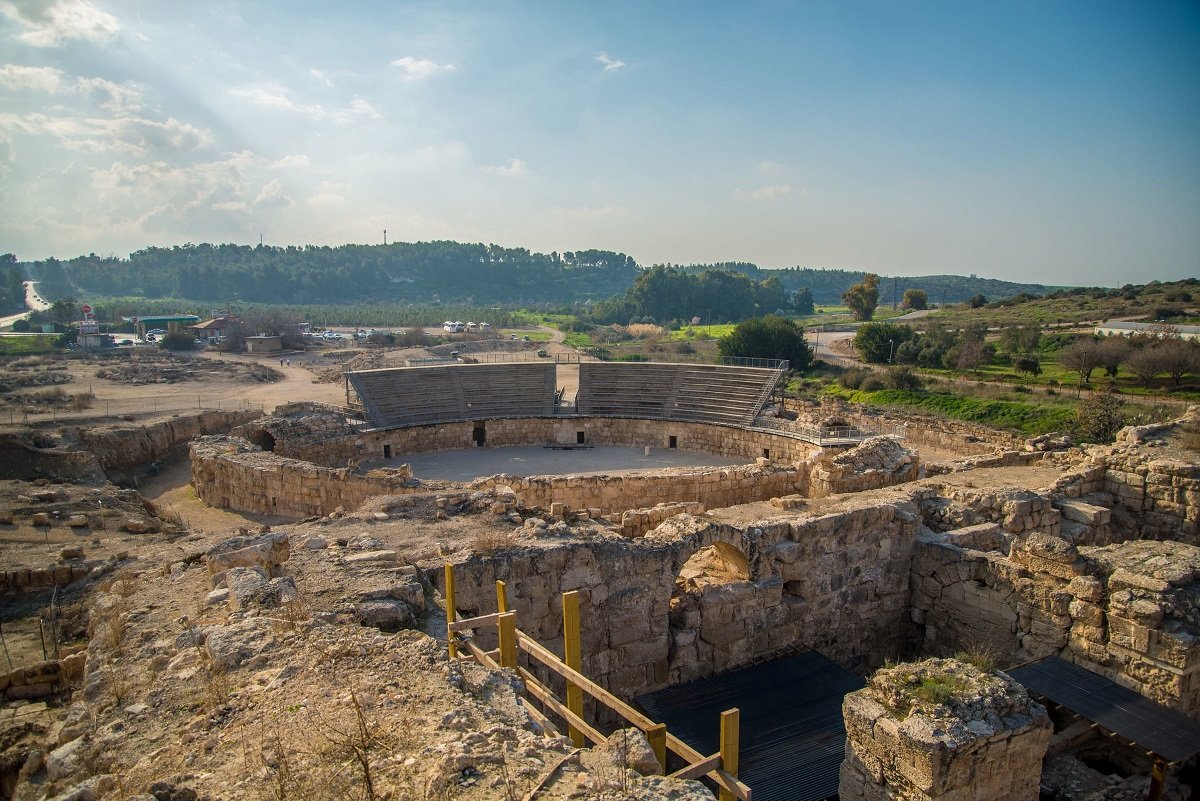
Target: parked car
124,341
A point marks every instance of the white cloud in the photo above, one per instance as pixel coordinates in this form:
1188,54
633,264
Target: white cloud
51,23
37,79
132,135
416,69
121,97
514,169
766,192
288,162
320,76
277,98
329,193
768,166
610,64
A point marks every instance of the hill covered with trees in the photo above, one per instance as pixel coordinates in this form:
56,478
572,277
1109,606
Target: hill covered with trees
449,272
827,286
398,273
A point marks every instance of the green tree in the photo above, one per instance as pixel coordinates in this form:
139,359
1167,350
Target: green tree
1082,357
862,298
878,342
916,299
1098,417
976,301
1113,352
770,337
1028,364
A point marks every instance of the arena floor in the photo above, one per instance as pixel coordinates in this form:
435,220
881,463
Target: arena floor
464,465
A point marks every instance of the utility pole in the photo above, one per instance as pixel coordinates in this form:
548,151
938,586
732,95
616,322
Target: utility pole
385,236
895,278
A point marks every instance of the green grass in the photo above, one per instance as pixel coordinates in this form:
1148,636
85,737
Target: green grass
691,332
1029,419
27,345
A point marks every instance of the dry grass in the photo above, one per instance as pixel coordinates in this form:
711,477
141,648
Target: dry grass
644,330
488,542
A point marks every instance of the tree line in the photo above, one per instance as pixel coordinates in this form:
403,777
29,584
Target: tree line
664,294
12,288
421,272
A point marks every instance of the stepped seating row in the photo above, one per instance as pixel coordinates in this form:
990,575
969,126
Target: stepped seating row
451,393
692,392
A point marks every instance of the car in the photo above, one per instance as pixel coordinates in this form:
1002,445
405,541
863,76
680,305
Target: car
524,339
124,341
151,338
512,336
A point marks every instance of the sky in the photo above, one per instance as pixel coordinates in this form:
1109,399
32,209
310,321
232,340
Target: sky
1049,142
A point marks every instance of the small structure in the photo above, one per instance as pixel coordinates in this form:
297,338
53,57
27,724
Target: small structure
215,329
264,344
1124,328
89,332
168,322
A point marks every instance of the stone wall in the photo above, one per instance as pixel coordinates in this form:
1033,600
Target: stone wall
119,449
39,577
231,473
42,679
1161,495
838,583
710,487
1129,611
942,730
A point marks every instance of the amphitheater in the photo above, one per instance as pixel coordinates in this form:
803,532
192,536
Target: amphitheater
848,605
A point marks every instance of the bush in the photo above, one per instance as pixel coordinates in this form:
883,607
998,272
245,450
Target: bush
873,383
853,378
1098,418
22,326
903,377
177,340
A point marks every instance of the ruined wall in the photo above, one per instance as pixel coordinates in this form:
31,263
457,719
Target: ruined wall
981,738
1129,611
231,473
120,448
1161,495
712,487
838,583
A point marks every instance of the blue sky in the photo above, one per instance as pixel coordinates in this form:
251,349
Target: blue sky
1045,141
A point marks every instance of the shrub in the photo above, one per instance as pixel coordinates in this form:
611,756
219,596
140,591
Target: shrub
177,340
873,383
903,377
1098,418
853,378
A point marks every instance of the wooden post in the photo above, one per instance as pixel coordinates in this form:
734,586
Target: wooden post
730,720
573,657
451,614
658,743
507,624
1158,779
501,597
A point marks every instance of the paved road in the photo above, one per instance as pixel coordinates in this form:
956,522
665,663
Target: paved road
33,302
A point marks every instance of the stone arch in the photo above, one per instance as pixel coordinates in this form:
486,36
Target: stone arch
708,590
263,439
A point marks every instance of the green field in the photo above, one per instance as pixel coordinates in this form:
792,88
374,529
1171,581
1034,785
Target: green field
27,345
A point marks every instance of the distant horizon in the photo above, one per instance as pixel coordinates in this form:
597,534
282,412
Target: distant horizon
1050,143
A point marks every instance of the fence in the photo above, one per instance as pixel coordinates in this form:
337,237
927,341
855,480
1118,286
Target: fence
120,407
721,767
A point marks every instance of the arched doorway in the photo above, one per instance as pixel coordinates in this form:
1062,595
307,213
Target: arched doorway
263,439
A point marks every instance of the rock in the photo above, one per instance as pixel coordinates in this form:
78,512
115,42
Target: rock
315,543
71,552
66,759
40,519
249,586
407,589
77,521
89,790
166,791
137,526
268,551
388,615
217,597
364,543
231,645
371,556
625,748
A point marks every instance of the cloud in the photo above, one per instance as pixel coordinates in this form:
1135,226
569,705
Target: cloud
768,166
610,64
589,213
329,193
119,98
514,169
132,135
417,69
35,79
320,76
766,192
277,98
287,162
54,22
